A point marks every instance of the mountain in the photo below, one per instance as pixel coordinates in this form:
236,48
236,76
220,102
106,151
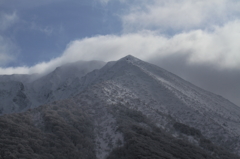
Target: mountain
21,92
124,109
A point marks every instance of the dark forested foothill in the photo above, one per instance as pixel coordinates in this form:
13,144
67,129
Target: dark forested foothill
143,140
57,131
63,130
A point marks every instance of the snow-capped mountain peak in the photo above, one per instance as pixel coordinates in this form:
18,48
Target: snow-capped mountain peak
165,99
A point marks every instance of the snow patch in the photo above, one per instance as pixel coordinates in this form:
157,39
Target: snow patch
107,137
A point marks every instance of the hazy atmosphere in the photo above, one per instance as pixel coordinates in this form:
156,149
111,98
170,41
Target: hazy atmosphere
195,39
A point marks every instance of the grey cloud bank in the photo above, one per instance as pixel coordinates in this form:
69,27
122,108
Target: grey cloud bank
180,15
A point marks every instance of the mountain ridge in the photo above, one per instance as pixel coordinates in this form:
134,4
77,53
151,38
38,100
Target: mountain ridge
146,91
40,89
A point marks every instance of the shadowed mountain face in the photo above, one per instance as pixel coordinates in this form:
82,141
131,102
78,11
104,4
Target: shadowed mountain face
126,109
21,92
84,128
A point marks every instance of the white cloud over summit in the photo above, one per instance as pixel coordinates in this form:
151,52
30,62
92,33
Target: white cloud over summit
205,31
218,48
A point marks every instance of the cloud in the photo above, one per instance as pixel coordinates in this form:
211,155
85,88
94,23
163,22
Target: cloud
107,1
47,30
4,58
26,4
222,82
6,51
179,15
104,1
6,46
7,20
40,68
218,48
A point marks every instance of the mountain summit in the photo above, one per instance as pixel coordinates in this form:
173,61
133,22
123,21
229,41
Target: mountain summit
124,109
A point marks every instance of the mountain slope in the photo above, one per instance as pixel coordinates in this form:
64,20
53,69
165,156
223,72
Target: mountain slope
21,92
130,104
13,96
54,86
84,128
166,99
60,130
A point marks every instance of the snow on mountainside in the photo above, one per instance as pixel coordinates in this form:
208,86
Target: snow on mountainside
168,101
19,77
13,97
36,91
53,86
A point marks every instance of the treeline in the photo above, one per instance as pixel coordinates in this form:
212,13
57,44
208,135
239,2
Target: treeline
62,130
56,131
143,140
203,142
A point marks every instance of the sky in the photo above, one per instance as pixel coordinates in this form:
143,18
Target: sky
195,39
